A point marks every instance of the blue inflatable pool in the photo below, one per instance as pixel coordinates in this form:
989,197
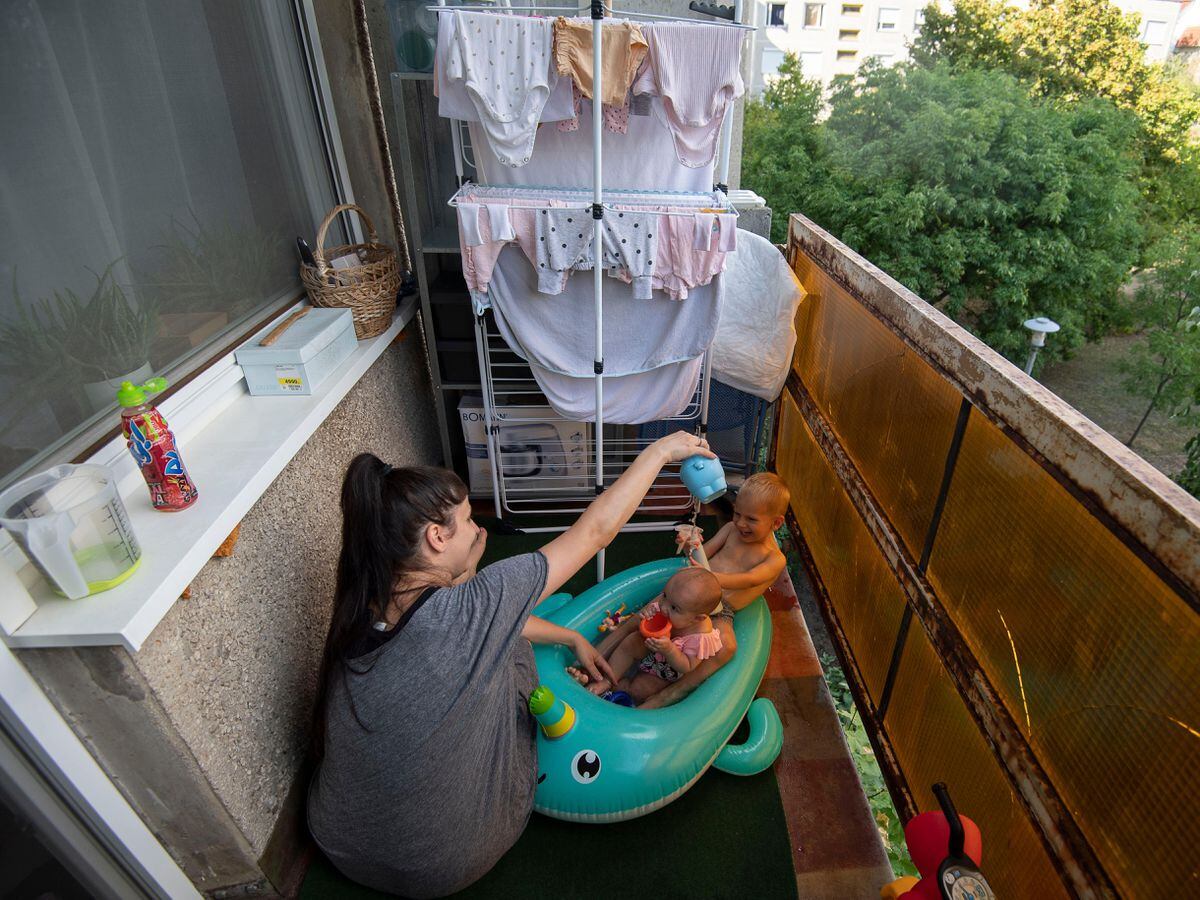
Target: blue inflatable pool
611,763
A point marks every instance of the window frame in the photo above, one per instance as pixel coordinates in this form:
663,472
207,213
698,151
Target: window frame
772,8
820,8
893,25
192,376
1146,32
919,17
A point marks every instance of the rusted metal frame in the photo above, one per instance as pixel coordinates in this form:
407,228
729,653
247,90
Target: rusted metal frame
1082,872
885,754
1149,513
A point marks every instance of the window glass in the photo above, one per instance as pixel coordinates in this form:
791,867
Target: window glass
813,14
771,58
888,17
775,15
848,34
846,54
851,9
919,18
1155,32
158,159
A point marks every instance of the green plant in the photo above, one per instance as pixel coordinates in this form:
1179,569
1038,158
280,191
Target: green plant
219,268
70,338
891,829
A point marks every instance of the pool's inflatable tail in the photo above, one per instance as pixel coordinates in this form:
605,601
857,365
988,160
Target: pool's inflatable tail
760,748
555,716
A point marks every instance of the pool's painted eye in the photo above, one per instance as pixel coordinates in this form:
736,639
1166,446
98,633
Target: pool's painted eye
585,767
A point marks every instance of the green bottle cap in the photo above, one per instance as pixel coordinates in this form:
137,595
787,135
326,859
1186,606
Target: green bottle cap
129,394
541,700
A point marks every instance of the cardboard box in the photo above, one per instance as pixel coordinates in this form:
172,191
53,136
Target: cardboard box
538,449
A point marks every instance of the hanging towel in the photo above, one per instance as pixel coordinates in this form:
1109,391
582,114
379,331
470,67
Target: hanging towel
622,49
661,393
695,69
757,332
454,101
504,64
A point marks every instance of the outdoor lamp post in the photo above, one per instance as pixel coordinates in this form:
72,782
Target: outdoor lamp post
1038,329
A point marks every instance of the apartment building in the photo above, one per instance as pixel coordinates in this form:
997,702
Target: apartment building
834,37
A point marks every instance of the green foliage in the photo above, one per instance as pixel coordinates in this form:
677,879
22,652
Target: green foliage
990,203
1165,368
1189,478
891,829
1071,50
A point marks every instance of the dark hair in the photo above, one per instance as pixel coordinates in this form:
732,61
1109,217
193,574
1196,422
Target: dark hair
384,514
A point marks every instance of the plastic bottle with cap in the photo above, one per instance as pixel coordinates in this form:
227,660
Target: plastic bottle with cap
153,447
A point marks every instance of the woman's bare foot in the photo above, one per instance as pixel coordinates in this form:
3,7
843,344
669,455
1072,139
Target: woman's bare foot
579,675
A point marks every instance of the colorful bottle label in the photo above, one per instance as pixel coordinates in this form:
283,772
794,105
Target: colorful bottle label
152,446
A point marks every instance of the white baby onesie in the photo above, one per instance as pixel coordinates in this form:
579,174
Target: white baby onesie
504,64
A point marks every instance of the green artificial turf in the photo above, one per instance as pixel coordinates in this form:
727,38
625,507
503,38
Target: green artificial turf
726,837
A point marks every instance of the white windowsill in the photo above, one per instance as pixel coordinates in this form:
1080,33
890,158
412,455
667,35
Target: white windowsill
234,446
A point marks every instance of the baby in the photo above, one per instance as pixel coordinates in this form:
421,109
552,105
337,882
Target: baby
743,555
690,595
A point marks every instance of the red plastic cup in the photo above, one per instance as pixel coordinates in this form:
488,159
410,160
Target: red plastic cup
657,626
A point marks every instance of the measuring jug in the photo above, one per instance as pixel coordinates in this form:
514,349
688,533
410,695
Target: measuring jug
72,525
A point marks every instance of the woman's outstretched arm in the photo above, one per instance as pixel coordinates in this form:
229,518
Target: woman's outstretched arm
601,521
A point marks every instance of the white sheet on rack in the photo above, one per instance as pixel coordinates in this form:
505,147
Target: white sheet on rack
559,332
661,393
643,159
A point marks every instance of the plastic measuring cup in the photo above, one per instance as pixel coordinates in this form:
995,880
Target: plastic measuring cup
72,525
657,626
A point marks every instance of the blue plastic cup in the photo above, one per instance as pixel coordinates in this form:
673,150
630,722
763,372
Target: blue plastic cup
704,477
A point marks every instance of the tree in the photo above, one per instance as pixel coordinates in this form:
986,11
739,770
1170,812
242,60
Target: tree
1165,369
1068,49
986,201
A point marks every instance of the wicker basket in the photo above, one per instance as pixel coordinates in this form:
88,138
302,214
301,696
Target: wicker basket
367,290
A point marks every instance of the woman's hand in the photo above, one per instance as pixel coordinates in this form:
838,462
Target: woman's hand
679,446
592,660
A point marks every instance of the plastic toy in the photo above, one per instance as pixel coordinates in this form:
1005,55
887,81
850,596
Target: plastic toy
704,477
617,763
612,619
657,626
946,848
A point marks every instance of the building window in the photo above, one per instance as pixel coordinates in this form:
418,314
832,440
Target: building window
160,160
919,18
811,63
848,34
851,9
771,59
889,18
1155,32
775,15
814,14
843,55
885,59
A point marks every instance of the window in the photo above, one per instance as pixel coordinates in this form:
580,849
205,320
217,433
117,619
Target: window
775,14
1155,32
771,58
851,9
814,13
811,64
159,160
848,34
919,18
889,17
884,59
844,55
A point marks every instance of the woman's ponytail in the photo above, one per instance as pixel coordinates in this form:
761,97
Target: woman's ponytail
384,514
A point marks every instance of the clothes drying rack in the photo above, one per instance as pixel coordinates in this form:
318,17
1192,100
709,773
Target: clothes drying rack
503,372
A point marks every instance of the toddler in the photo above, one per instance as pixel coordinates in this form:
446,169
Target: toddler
689,597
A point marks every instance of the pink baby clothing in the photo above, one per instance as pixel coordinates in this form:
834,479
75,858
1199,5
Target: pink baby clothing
679,266
698,646
616,118
695,69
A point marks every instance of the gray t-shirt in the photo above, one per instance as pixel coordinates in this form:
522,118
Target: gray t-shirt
439,788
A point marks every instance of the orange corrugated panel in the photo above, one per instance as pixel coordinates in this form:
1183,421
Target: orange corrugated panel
860,584
891,411
935,739
1091,652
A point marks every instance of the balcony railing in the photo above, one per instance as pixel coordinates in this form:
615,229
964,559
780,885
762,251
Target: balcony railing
1013,592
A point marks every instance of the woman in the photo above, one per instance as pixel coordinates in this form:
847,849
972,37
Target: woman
426,749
